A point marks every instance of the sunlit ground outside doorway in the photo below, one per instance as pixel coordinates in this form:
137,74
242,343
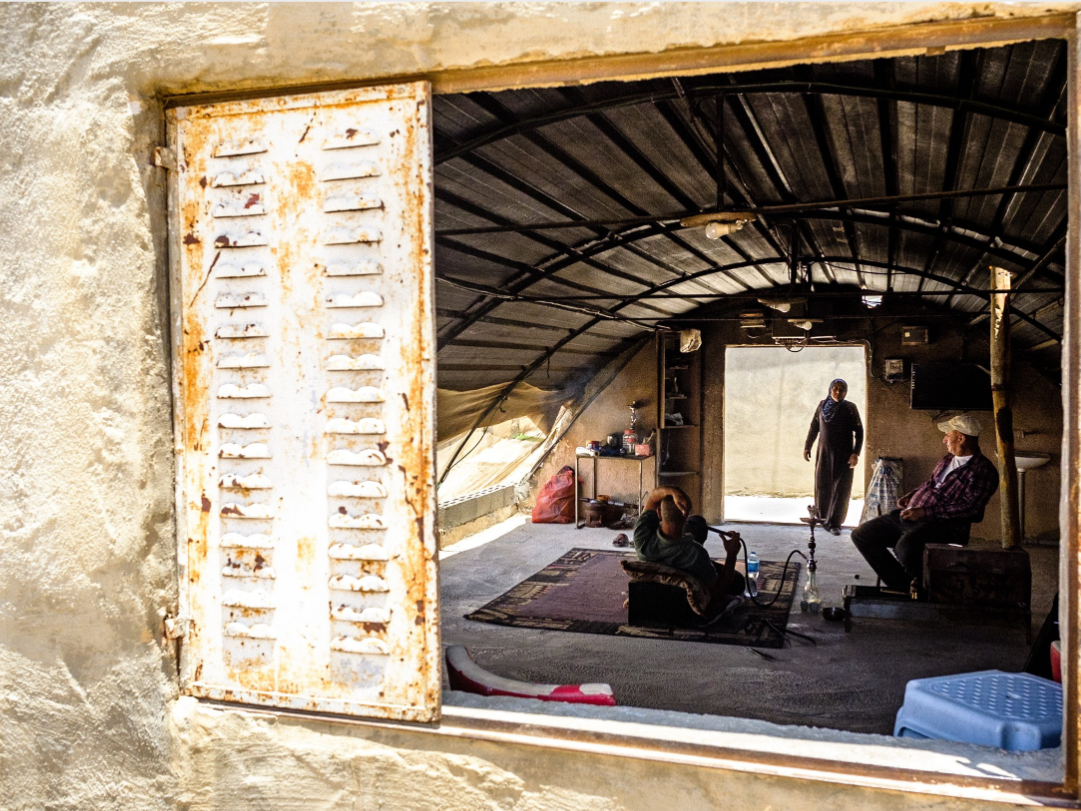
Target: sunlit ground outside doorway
770,396
780,510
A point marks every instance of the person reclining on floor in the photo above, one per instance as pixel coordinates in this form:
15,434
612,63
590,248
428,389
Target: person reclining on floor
941,510
665,534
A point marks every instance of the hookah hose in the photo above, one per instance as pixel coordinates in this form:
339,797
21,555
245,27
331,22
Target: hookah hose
784,571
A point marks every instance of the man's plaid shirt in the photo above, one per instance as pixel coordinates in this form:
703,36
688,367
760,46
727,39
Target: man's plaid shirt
964,492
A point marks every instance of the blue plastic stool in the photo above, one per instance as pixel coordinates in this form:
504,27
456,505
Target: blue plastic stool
1014,711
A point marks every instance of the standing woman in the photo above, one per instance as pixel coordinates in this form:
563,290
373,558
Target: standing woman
839,430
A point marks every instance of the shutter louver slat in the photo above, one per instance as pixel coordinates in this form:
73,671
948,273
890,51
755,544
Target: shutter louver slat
306,434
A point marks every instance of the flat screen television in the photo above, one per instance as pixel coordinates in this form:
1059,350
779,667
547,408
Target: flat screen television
950,387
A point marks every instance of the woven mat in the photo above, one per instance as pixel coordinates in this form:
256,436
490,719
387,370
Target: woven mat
584,591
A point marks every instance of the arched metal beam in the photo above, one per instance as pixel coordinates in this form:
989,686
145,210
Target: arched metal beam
611,242
958,288
557,248
526,125
540,359
930,227
889,203
901,222
525,271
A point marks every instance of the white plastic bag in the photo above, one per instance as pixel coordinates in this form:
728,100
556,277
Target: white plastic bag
690,340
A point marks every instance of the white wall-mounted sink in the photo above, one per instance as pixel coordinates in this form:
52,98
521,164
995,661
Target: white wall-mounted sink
1029,460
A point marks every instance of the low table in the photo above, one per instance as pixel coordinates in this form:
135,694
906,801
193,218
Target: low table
873,602
641,482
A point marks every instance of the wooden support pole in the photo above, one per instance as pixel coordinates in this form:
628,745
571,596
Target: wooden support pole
1000,393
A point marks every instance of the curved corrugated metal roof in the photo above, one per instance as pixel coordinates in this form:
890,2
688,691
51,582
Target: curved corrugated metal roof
609,168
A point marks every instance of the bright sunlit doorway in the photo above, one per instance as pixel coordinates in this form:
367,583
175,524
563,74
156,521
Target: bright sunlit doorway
770,398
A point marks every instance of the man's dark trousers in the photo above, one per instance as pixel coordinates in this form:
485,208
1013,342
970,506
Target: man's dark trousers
875,539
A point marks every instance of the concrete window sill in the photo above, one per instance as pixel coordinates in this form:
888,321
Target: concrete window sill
927,767
937,767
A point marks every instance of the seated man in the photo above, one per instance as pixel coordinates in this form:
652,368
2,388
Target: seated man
940,510
673,539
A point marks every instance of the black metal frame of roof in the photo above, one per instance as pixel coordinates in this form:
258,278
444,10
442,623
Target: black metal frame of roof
557,209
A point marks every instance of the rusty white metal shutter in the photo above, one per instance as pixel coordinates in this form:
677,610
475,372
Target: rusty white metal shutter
304,373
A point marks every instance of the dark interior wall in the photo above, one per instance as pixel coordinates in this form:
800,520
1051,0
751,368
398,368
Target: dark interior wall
894,429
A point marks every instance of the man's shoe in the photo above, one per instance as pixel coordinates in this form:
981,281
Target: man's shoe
916,591
899,592
833,530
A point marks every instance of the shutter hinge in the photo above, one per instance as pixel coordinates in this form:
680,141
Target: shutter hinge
176,627
165,158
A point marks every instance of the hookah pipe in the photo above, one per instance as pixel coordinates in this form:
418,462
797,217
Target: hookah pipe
753,589
811,598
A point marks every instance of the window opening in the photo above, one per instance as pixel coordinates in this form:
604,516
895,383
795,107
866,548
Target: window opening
570,220
501,454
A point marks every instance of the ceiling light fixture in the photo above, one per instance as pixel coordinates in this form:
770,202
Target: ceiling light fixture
776,304
716,230
718,223
781,305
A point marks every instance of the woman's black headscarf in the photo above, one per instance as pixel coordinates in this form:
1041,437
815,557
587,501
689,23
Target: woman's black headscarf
830,407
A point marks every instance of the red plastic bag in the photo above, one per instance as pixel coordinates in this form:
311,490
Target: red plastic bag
555,504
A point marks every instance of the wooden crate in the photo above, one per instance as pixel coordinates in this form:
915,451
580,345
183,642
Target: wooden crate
1000,578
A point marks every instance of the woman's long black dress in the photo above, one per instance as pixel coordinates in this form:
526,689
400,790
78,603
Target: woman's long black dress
838,439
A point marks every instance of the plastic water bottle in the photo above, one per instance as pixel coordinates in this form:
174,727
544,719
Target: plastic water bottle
752,572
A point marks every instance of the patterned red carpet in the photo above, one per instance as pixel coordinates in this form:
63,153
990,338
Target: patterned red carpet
585,589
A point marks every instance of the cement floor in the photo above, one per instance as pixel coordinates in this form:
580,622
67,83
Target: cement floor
853,682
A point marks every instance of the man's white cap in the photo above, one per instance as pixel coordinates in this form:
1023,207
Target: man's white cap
967,425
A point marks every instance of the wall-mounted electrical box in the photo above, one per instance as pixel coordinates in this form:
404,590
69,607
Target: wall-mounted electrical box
912,336
893,370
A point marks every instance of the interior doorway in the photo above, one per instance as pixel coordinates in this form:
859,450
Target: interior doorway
771,394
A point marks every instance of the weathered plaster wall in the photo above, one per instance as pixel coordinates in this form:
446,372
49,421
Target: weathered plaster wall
610,413
86,525
87,690
263,762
